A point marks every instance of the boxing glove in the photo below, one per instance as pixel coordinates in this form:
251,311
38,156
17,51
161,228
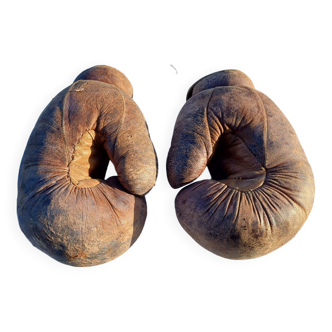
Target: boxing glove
65,206
262,186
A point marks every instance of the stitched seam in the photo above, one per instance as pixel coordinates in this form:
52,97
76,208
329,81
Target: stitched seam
265,130
123,114
265,133
208,126
124,109
258,98
260,102
63,132
63,123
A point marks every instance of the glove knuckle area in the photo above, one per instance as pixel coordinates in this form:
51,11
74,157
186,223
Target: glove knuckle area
237,224
191,142
134,156
83,226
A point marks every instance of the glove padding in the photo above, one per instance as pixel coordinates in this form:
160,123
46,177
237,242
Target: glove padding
65,207
262,186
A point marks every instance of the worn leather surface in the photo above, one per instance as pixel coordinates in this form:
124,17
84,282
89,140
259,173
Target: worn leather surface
65,206
262,186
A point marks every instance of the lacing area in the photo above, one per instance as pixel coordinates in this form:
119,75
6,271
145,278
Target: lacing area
89,161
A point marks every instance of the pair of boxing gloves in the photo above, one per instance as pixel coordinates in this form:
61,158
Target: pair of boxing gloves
260,194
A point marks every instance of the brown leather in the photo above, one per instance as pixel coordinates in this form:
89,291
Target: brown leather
65,206
262,186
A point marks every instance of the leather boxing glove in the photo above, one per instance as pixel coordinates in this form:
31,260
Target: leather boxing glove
65,206
262,186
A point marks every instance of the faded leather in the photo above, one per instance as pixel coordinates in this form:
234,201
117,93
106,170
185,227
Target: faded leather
65,206
262,186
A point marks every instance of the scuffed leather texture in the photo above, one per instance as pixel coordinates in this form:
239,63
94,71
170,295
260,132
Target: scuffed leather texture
262,186
65,206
